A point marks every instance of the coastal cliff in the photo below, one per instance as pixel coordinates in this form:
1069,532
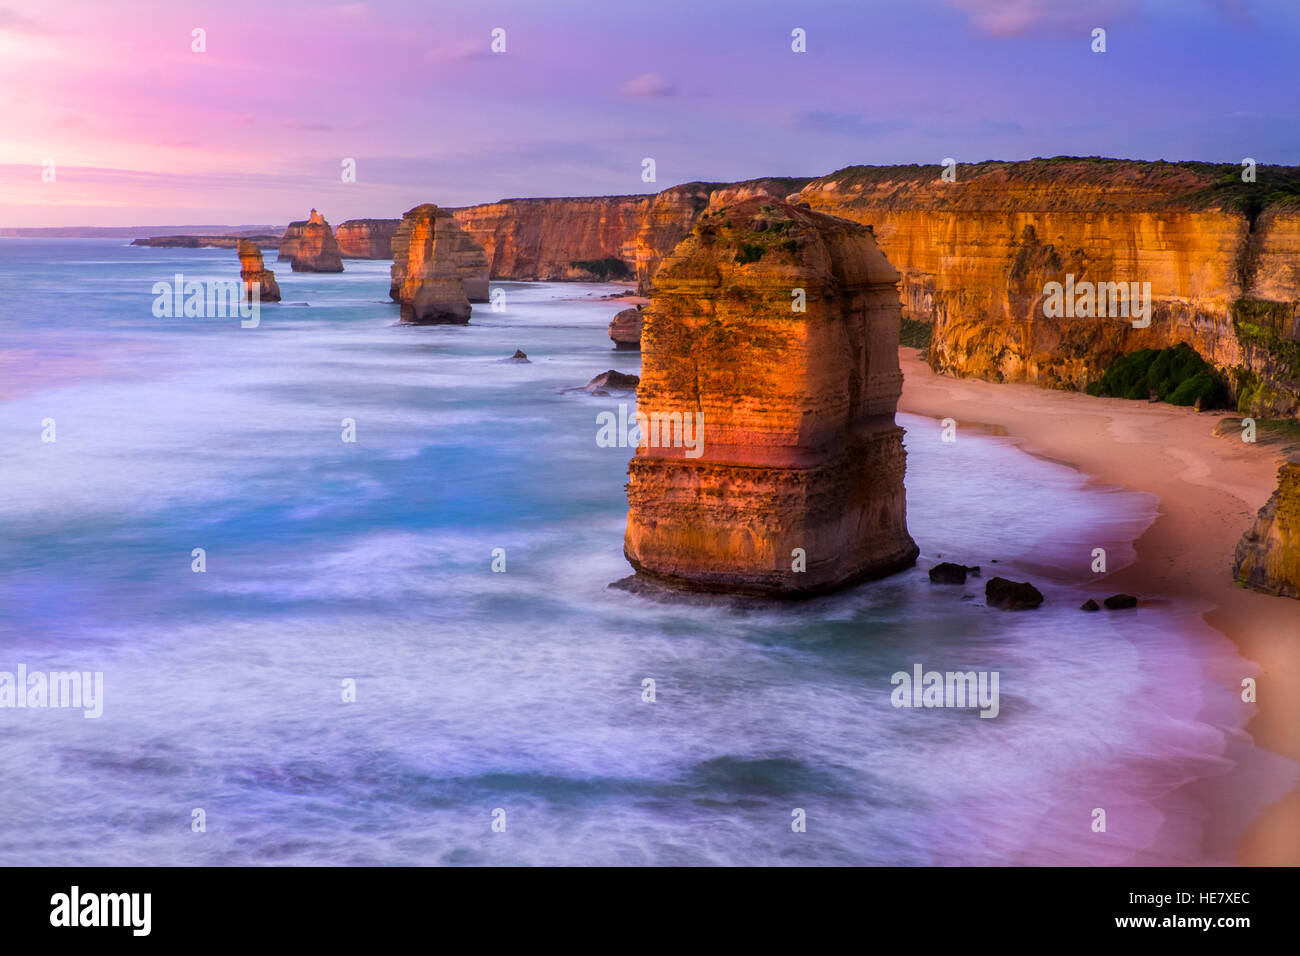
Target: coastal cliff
317,249
366,238
427,276
289,241
252,272
1268,556
771,462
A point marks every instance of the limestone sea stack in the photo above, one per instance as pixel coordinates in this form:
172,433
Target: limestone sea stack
289,241
625,329
366,238
772,332
1268,555
466,257
318,251
253,270
429,285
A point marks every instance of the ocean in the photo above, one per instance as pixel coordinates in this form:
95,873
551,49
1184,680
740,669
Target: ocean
499,717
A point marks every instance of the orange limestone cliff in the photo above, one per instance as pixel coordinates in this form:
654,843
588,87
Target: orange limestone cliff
430,288
770,461
1268,555
366,238
317,249
466,257
253,272
289,241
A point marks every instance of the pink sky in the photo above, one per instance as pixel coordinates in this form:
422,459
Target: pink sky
143,130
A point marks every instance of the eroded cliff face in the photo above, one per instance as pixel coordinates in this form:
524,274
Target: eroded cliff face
458,252
289,241
1268,555
253,271
317,250
976,254
366,238
431,290
792,481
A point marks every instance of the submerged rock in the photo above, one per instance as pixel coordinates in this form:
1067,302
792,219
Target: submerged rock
317,250
1118,602
1090,605
254,272
615,380
1268,555
775,466
948,573
1011,595
519,358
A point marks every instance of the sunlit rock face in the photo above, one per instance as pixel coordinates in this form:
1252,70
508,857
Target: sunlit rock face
1268,555
289,241
253,271
317,249
366,238
789,479
425,271
458,252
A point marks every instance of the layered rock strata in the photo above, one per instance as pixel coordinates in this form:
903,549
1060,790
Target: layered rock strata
772,463
252,271
317,249
366,238
426,275
1268,555
289,241
625,329
464,256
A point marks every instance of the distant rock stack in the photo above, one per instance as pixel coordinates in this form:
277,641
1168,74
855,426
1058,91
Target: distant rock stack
317,249
458,254
289,241
779,327
1268,555
425,274
253,270
625,329
366,238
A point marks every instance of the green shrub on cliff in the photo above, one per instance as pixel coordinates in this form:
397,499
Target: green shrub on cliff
1176,375
607,268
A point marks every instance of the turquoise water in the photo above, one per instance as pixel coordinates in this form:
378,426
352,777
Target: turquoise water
371,561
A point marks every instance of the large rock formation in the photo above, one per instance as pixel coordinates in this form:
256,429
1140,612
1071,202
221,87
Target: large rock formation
289,241
253,271
466,258
625,329
366,238
791,481
975,256
426,274
317,249
1268,555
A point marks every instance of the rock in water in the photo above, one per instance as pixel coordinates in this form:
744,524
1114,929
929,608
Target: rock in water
253,270
1011,595
428,282
1090,605
519,358
317,250
289,241
1268,555
1117,602
612,379
459,254
770,376
625,329
948,573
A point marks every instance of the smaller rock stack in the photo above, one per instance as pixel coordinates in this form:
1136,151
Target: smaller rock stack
317,249
253,271
1268,555
457,249
289,241
426,277
625,330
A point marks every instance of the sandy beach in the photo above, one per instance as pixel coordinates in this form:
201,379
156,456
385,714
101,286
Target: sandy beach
1209,489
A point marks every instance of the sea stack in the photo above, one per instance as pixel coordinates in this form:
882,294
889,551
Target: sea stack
625,329
317,249
253,270
1268,555
773,332
425,274
289,241
458,252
